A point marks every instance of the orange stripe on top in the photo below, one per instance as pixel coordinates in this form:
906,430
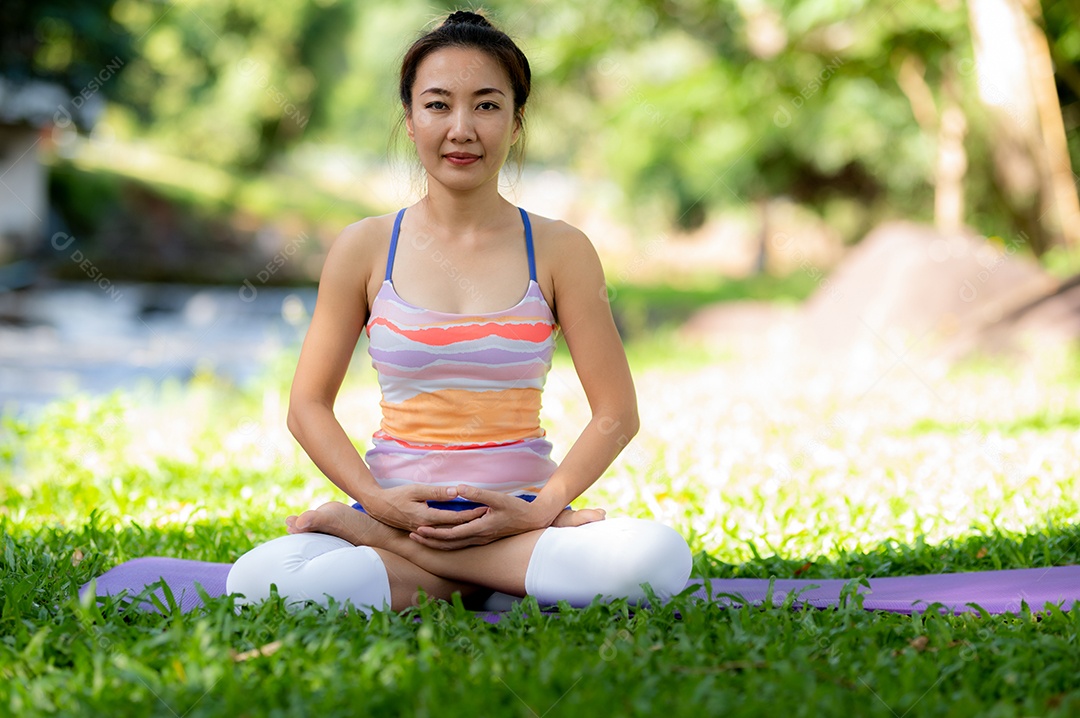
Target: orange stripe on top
443,336
463,416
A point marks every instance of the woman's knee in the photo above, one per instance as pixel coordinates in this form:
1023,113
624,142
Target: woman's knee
280,561
310,567
611,558
649,552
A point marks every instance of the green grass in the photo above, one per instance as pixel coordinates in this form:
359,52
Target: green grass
1047,421
765,473
1062,262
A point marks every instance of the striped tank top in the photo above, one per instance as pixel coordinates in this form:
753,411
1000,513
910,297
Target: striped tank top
461,392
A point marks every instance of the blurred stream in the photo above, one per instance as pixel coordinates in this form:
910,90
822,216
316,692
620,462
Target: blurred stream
85,337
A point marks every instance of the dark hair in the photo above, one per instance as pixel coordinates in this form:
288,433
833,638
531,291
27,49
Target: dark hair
468,29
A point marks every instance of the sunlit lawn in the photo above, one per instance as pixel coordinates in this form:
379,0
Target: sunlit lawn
771,464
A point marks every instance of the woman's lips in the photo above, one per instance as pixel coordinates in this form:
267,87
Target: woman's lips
461,158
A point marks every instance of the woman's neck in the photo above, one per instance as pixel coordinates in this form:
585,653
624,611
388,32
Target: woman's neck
465,213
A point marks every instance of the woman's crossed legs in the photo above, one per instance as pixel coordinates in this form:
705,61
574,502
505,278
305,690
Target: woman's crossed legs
346,554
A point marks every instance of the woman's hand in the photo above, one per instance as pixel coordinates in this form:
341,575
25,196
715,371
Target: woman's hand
405,507
505,516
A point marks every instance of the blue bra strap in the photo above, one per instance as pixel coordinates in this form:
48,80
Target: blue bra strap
393,243
529,244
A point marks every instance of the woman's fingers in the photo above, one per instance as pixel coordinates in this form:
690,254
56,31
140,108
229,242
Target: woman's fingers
420,492
406,507
449,545
446,517
484,496
443,533
480,531
569,517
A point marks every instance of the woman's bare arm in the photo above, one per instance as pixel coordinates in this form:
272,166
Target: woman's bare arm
340,313
587,325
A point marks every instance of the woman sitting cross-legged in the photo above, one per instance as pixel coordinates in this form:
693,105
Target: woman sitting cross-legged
461,296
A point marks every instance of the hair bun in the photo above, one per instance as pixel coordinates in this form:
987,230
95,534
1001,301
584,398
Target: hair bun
465,17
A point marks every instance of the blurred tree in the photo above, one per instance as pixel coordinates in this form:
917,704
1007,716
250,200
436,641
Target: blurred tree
1016,84
690,105
713,104
944,119
709,104
75,47
235,82
57,65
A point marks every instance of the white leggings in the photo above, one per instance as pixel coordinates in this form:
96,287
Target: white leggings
610,558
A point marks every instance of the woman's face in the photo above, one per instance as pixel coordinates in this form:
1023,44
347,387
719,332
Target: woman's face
462,120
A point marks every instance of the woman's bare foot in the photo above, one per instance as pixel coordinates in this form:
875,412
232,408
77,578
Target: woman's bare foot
570,517
338,519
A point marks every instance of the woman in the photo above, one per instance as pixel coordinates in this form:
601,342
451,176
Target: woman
458,492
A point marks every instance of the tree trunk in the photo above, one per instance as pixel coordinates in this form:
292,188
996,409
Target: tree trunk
1015,80
1061,207
949,126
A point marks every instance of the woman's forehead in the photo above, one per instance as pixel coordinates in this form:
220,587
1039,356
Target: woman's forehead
460,70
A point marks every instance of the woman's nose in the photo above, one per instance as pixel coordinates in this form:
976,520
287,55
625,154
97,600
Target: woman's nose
461,126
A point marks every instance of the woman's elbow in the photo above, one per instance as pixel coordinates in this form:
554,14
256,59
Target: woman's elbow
632,423
623,423
292,422
295,419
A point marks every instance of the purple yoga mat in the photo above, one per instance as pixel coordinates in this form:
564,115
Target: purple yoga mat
993,591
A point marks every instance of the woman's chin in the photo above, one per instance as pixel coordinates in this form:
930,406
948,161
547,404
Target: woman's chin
460,183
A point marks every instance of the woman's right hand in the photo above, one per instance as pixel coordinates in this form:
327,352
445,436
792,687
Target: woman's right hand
405,507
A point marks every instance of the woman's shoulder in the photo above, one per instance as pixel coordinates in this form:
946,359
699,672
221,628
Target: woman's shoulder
363,244
565,250
365,234
569,266
356,258
559,238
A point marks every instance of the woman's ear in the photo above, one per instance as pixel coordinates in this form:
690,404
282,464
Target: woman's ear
517,130
408,123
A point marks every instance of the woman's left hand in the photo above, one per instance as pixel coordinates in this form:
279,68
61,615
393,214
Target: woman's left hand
506,516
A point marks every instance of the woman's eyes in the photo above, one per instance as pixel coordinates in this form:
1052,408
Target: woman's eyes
438,105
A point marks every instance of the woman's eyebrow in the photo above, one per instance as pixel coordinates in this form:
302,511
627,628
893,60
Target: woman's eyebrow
482,91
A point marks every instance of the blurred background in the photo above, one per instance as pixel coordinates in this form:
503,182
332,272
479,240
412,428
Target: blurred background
849,175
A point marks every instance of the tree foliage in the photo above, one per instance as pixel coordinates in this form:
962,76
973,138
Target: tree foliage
688,104
76,46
